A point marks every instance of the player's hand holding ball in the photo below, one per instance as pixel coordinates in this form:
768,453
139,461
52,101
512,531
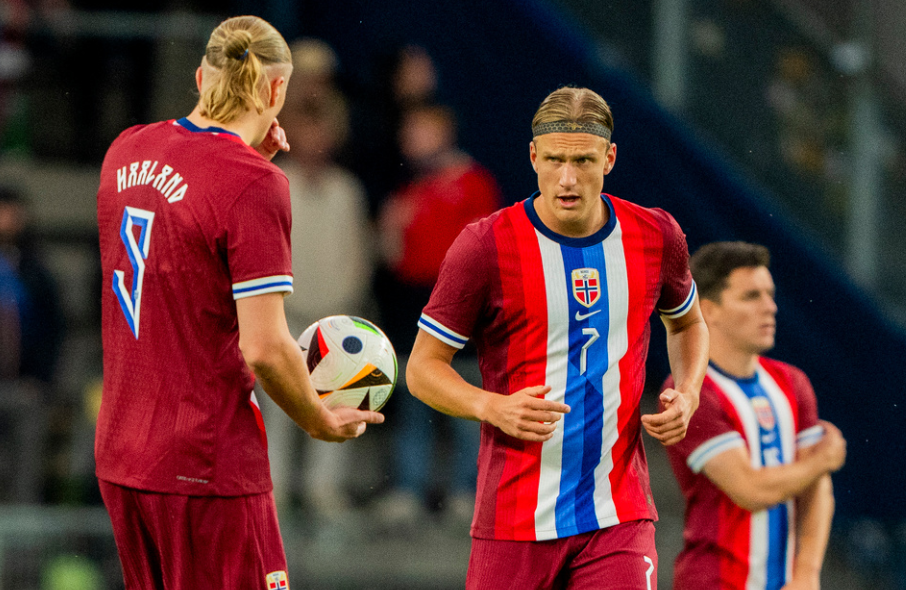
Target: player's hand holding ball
353,368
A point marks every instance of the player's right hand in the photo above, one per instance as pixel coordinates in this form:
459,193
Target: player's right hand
275,141
345,423
526,415
831,449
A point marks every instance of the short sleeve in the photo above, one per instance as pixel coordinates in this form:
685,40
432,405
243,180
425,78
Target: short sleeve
461,290
810,430
677,287
259,253
710,431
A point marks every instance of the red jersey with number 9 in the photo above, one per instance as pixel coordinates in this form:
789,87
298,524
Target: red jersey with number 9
190,220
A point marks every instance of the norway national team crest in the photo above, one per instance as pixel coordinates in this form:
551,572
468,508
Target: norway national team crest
586,286
763,412
277,581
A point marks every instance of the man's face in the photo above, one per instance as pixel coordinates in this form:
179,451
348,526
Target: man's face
424,135
745,315
571,169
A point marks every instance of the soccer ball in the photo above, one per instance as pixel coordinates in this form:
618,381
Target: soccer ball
351,361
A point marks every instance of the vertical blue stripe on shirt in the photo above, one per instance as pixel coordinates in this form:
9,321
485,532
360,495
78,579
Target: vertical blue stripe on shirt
584,425
778,517
778,531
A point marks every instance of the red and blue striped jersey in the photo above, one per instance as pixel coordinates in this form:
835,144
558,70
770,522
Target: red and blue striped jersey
771,415
572,313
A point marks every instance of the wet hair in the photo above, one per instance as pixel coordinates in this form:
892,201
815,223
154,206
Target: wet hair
238,53
712,264
574,105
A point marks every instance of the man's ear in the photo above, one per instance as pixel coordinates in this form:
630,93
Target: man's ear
198,78
610,159
278,86
533,155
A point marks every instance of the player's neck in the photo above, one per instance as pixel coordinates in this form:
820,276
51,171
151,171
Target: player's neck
246,127
733,361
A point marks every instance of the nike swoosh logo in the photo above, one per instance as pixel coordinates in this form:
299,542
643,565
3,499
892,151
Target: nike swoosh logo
585,316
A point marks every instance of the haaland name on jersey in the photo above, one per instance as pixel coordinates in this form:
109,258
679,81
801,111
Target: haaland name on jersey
143,173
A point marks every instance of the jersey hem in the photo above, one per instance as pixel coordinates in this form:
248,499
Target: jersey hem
549,535
187,490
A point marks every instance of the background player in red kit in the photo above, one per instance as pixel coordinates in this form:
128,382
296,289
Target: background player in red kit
755,464
556,293
194,234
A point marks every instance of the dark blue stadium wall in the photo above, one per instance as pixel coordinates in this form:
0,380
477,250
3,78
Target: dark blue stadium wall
498,59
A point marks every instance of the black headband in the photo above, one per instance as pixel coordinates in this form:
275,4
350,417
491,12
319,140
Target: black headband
571,127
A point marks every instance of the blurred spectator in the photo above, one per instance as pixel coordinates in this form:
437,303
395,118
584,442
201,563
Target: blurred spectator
315,68
12,298
406,76
809,125
25,279
417,225
795,96
31,330
332,260
15,62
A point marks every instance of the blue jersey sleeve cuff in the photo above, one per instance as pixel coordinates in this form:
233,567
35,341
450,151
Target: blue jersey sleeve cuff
711,448
274,284
441,332
681,309
810,436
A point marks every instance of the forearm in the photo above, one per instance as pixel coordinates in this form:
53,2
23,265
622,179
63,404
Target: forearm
814,514
759,489
282,374
436,383
687,352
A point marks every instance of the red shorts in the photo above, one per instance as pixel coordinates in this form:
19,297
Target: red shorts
189,542
621,557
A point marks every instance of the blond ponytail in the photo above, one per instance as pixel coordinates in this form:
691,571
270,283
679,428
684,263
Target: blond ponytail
239,51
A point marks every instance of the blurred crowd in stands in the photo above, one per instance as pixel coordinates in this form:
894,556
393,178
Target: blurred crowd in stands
380,187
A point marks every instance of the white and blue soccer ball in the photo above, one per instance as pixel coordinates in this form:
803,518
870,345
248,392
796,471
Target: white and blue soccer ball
351,361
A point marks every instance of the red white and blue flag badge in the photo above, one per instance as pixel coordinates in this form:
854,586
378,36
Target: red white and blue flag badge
763,412
277,581
586,286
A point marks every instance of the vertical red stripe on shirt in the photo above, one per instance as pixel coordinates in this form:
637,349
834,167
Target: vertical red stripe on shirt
524,299
734,523
641,243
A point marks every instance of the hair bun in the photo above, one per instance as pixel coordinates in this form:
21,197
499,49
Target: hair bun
237,44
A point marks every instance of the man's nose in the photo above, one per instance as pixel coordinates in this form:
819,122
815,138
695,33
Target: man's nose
567,175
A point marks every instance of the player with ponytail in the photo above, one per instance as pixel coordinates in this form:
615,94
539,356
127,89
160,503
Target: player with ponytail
194,225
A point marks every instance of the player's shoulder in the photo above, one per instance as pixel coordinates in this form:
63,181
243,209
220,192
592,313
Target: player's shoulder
485,226
651,216
141,132
785,374
637,209
478,240
776,366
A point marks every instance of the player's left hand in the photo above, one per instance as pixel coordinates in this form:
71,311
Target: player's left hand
670,425
273,142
